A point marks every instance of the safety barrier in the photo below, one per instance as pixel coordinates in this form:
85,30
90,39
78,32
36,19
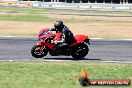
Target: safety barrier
68,6
88,6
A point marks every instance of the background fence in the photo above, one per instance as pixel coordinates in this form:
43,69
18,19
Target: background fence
60,5
81,1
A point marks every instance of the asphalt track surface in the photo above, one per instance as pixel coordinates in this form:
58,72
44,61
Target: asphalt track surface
71,14
18,49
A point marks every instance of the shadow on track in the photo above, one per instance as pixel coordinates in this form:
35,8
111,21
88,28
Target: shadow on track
68,58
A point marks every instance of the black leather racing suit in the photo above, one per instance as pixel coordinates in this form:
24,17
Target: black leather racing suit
67,36
67,39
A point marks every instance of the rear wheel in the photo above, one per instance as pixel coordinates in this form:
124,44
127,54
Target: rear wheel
80,51
35,51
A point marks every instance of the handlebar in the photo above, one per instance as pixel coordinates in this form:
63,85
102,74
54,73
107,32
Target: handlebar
48,40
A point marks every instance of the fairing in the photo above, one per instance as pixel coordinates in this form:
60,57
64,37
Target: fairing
79,39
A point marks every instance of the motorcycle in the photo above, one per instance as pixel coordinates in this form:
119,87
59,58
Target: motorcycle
78,49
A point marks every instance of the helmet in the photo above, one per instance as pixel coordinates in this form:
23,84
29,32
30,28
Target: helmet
59,25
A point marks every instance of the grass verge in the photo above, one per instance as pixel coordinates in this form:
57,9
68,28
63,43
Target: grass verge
26,18
29,23
88,11
46,18
58,74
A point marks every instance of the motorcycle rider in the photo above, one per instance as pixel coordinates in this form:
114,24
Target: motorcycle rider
67,36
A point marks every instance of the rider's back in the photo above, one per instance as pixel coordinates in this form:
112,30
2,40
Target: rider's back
69,38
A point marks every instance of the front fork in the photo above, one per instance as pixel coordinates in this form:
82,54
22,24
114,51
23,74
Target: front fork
41,45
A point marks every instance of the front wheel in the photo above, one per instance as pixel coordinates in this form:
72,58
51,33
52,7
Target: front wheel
36,52
80,51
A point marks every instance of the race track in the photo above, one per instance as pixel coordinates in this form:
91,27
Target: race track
18,49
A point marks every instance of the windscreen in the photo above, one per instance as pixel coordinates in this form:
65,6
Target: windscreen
45,32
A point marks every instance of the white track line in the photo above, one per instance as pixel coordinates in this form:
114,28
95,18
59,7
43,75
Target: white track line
8,36
17,36
125,62
119,62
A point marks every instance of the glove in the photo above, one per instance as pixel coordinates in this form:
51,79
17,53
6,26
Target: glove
54,41
52,29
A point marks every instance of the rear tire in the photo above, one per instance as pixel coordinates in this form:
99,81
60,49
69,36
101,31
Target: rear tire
80,51
35,51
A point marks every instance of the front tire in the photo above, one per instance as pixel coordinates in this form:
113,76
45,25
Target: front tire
80,51
35,51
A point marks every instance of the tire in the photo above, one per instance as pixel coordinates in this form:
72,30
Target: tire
80,51
35,51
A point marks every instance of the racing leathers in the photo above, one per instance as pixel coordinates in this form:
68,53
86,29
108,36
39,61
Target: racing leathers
64,36
63,39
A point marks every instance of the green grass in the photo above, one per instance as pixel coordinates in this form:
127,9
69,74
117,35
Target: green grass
23,9
42,18
31,16
45,18
26,17
58,74
88,11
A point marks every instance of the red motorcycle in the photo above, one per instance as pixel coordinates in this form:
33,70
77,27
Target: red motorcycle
78,49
